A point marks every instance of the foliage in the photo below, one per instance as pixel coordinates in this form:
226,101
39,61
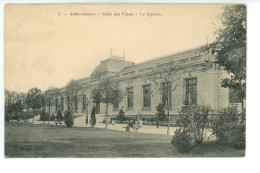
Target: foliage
229,127
43,116
121,115
230,47
68,118
96,95
194,119
182,141
236,136
59,116
161,112
165,79
93,117
52,117
50,96
107,92
14,105
72,89
34,98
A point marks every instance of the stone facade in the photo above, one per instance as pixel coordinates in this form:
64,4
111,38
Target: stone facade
191,64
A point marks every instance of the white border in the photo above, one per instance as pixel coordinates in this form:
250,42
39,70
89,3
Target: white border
247,164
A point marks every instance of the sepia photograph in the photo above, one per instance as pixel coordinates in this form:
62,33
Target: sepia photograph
125,80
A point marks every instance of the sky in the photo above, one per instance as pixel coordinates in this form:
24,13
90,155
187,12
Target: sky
46,46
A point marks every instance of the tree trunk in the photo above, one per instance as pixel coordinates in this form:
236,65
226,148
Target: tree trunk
168,111
242,104
106,115
33,116
49,114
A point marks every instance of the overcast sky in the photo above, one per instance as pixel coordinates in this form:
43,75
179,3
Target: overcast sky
43,48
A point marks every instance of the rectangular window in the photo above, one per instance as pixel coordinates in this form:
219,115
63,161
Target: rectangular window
56,105
167,93
84,104
233,97
62,102
116,105
76,103
147,96
68,99
130,97
191,91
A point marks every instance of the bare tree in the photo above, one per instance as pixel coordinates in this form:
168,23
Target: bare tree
72,89
108,93
165,78
50,96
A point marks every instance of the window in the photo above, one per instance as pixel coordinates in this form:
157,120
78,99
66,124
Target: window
76,102
116,105
191,91
62,102
147,96
68,99
130,97
166,88
97,108
84,102
233,97
56,105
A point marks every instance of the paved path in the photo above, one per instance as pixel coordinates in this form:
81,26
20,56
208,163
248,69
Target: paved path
80,122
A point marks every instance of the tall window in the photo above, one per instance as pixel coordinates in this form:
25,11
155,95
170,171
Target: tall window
167,93
56,105
130,97
76,103
233,97
191,91
84,104
147,96
68,99
62,102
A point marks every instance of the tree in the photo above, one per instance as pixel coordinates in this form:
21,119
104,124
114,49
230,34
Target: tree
14,105
34,99
108,92
165,78
50,96
72,89
230,48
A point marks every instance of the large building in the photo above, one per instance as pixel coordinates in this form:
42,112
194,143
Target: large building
198,72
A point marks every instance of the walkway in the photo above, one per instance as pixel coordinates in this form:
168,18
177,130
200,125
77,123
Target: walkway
80,122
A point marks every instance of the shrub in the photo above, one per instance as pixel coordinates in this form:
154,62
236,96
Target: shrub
194,119
182,141
93,121
52,117
121,115
43,116
229,127
236,136
59,116
160,112
222,123
68,119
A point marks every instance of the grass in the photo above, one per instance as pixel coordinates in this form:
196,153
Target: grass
24,140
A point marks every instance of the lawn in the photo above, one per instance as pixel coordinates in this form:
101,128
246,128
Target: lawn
24,140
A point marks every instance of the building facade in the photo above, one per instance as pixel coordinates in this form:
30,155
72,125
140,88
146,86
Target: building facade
200,83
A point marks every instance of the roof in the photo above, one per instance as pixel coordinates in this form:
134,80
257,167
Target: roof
110,66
